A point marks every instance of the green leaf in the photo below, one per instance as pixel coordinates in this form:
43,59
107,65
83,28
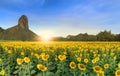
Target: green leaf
15,72
50,74
7,74
33,71
22,73
52,68
50,63
39,74
58,73
16,67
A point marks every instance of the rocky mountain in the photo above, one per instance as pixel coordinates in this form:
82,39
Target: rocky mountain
19,32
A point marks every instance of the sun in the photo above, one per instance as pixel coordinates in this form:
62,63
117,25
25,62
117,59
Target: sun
46,35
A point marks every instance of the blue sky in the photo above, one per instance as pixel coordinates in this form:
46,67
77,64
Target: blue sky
63,17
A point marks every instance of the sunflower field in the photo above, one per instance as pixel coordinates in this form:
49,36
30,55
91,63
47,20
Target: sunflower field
59,58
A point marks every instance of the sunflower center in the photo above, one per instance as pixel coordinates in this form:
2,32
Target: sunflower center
72,65
82,66
118,73
97,68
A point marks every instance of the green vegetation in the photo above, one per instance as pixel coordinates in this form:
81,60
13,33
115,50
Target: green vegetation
101,36
59,59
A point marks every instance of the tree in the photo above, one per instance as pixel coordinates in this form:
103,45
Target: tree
105,36
117,37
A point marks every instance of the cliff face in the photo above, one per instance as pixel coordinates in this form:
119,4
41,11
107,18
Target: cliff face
23,22
19,32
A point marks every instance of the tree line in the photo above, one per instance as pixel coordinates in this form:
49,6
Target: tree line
101,36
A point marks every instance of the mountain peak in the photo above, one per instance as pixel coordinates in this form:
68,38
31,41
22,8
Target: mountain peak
19,32
23,22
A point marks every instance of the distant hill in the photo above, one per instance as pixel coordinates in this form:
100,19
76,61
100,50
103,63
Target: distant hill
19,32
101,36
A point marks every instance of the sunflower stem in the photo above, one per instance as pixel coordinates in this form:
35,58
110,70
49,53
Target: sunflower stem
29,69
74,74
43,73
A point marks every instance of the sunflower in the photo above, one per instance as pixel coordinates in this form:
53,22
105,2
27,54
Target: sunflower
97,68
38,66
118,65
72,65
97,58
37,56
2,72
81,67
56,59
100,73
26,59
115,58
42,54
106,66
117,73
94,61
22,53
81,55
45,57
10,51
65,52
0,59
41,67
19,61
86,60
104,55
78,59
61,57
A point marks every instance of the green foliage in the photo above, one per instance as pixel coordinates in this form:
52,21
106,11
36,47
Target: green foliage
101,36
106,52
